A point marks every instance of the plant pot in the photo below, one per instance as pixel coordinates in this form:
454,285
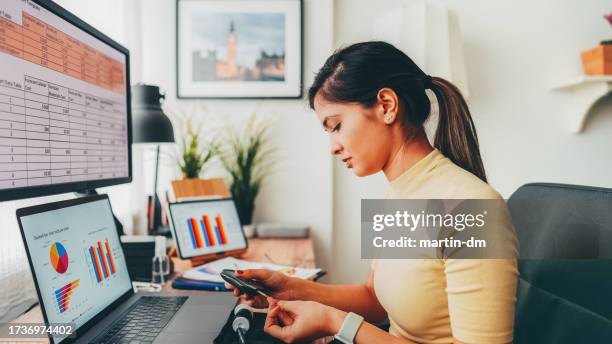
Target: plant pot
186,188
249,230
597,61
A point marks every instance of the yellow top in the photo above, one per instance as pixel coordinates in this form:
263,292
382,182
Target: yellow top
436,300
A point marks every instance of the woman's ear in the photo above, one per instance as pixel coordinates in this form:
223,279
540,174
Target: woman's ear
387,100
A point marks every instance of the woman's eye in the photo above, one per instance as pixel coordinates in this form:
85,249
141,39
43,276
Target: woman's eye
336,127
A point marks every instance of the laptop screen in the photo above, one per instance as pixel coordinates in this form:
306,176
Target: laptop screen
77,260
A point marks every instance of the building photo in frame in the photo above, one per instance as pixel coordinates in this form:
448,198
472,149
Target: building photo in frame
239,49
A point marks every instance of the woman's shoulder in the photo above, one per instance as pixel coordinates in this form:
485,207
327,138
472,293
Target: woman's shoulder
441,178
455,182
467,185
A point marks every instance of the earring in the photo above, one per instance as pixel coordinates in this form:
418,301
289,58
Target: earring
388,119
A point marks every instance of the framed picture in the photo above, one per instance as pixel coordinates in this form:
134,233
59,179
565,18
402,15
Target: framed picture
239,48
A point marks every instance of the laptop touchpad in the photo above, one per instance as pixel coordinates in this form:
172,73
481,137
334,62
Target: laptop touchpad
199,319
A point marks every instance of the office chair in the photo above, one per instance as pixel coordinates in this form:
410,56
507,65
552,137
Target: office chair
565,285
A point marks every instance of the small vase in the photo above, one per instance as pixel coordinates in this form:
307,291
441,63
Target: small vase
249,230
597,61
186,188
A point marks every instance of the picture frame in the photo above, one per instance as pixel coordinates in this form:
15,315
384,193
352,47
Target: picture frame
239,49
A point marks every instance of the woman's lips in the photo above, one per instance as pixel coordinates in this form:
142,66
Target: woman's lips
348,163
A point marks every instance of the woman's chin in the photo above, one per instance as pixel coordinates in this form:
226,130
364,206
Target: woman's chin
359,172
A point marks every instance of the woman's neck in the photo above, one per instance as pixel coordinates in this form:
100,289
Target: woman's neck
407,153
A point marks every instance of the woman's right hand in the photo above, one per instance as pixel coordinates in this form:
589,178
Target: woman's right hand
276,284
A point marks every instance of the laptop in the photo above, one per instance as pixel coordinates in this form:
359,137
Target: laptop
81,277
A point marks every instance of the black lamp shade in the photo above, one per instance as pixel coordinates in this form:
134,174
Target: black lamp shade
149,123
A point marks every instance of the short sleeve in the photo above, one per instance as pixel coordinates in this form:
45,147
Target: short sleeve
481,299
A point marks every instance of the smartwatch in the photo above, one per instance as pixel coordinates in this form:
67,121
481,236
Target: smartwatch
349,328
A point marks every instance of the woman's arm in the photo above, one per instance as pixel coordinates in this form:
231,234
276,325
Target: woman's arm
292,321
369,333
356,298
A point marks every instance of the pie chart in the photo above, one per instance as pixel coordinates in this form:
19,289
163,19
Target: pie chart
59,257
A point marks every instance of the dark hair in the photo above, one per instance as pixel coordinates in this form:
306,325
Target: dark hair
356,73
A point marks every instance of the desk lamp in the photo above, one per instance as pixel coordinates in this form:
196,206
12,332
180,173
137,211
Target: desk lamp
150,125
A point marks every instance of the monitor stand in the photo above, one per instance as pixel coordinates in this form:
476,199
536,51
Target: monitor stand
91,192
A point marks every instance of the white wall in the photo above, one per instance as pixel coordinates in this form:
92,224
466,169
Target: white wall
515,51
301,188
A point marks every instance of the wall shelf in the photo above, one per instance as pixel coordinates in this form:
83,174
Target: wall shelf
586,91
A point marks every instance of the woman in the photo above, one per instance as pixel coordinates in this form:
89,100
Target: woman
371,99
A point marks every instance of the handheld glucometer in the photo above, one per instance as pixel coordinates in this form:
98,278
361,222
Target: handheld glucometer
249,287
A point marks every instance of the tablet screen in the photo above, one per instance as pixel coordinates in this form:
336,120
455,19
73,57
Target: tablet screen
206,226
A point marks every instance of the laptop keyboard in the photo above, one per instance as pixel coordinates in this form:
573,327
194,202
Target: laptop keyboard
143,321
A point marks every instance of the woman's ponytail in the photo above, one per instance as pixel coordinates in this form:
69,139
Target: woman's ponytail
456,135
356,74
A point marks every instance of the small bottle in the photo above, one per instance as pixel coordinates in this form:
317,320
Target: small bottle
161,261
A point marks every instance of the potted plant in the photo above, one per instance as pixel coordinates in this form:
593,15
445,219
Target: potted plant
247,158
598,61
193,155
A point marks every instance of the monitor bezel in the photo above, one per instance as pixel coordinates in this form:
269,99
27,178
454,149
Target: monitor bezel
80,186
41,208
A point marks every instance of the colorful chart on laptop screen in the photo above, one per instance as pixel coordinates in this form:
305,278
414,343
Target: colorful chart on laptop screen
101,260
77,260
205,227
59,257
63,295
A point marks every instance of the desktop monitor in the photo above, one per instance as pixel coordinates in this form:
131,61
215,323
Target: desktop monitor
65,119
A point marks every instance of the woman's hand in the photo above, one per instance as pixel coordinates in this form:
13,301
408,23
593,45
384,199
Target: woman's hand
276,284
298,321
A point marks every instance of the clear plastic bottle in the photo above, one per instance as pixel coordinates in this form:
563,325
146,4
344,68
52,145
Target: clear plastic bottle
161,262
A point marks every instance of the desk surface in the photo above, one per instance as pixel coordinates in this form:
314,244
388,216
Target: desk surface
295,252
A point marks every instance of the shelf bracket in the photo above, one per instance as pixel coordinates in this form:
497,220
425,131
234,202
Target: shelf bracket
585,91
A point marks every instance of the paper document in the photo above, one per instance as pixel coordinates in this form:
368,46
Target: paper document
211,271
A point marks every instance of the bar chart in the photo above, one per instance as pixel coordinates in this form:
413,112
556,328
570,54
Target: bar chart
206,227
203,233
64,294
102,260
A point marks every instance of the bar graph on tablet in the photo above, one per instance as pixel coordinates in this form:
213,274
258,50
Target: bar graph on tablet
203,227
205,233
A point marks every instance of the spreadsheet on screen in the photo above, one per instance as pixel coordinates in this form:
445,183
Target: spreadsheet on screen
63,104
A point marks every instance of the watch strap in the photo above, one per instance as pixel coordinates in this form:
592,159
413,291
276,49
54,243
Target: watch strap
349,328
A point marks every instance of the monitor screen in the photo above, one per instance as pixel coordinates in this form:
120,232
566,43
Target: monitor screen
77,260
64,110
206,226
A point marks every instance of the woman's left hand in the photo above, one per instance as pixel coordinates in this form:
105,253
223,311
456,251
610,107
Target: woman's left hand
298,321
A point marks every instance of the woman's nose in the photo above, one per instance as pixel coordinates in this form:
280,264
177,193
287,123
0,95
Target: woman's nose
335,146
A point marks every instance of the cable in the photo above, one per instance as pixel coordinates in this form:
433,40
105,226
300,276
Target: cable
241,334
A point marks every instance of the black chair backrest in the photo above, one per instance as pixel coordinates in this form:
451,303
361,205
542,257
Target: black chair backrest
565,285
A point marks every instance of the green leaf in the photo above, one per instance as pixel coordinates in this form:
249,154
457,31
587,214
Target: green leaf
247,160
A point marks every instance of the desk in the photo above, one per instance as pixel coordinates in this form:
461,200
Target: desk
295,252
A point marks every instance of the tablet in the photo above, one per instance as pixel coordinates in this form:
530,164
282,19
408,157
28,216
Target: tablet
206,228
